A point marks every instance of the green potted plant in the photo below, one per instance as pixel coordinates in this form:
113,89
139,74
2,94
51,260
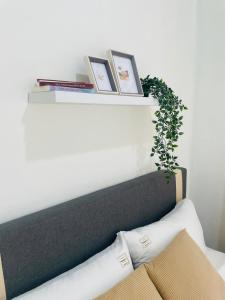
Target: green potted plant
168,123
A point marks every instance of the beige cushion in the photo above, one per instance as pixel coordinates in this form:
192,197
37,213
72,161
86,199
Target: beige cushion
182,271
137,286
2,283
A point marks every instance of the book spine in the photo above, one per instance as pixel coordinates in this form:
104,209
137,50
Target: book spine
43,82
61,88
83,86
63,81
74,90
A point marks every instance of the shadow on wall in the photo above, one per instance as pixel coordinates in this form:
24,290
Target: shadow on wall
59,130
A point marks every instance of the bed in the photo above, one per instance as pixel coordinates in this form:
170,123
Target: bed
45,244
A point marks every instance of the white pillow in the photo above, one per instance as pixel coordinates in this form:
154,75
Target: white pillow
145,243
185,215
90,279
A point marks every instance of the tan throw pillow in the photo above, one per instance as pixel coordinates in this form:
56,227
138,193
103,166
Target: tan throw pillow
182,271
137,286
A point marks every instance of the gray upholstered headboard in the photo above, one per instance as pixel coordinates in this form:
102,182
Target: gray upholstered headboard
40,246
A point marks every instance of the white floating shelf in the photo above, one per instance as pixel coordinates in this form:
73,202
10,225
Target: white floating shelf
85,98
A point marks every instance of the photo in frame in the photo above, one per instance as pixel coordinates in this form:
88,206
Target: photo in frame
101,75
126,73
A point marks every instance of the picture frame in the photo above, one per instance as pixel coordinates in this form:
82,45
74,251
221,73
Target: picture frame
126,73
101,75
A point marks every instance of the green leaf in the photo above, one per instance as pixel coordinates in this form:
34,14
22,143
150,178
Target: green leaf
168,123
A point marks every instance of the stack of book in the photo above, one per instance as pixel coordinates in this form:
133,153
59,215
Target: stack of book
46,85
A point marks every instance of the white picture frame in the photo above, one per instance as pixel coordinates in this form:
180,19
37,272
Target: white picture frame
126,74
101,75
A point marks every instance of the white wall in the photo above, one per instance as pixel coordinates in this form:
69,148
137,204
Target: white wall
51,153
208,164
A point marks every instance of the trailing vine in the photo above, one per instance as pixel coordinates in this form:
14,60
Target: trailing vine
168,124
